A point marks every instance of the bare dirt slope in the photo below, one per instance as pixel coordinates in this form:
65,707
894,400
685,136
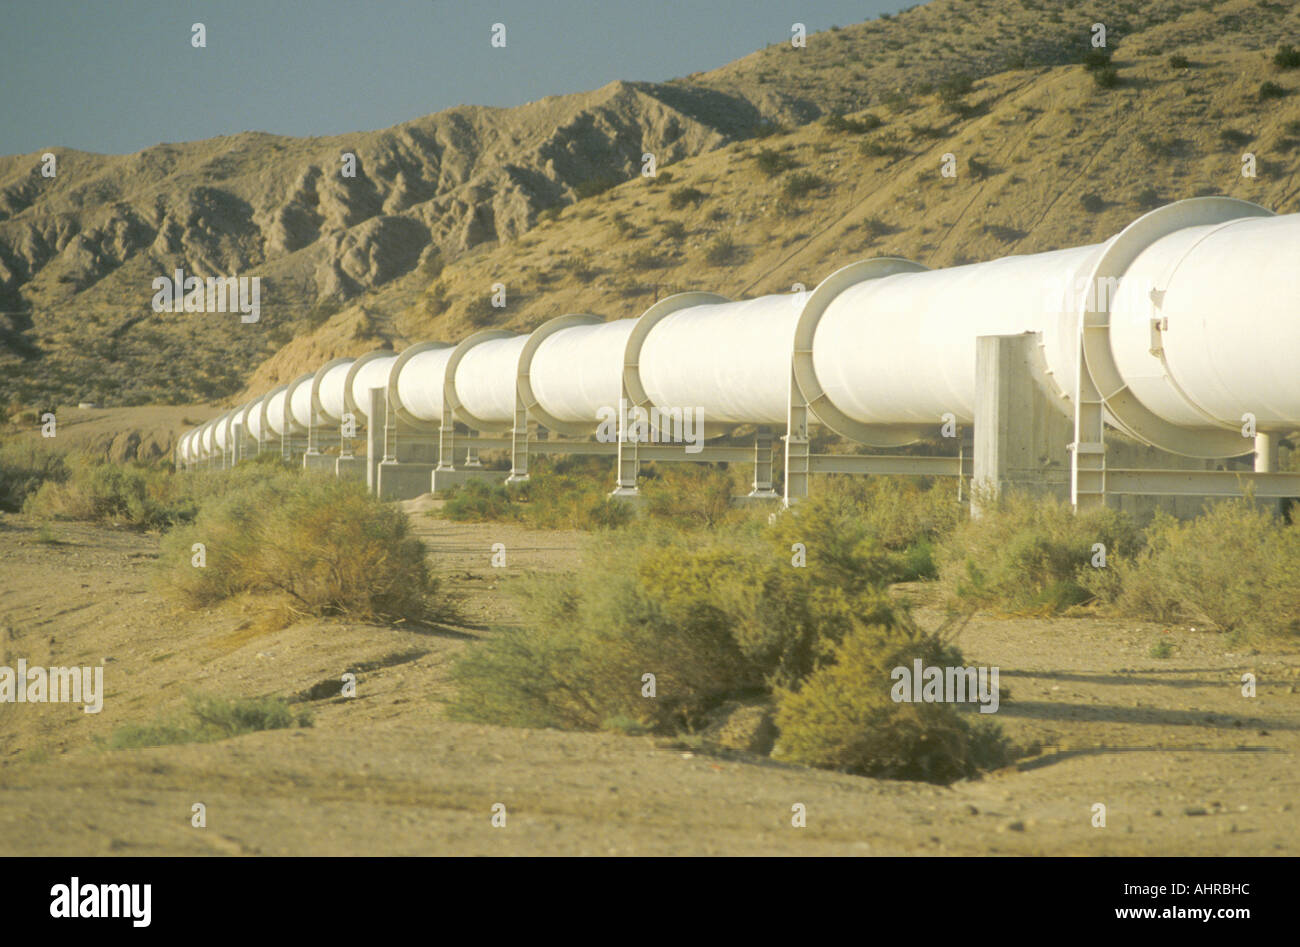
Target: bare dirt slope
1183,762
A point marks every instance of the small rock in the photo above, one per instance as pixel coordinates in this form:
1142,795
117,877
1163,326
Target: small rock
1194,810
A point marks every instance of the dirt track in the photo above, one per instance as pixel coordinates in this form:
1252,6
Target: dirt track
1159,742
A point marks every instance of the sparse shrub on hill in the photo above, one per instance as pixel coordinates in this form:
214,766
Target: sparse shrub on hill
836,122
801,184
1235,568
844,717
596,184
1147,198
1178,61
674,230
1286,57
679,197
479,312
952,92
883,149
1107,77
723,251
1271,90
772,162
1234,138
647,259
1030,556
325,546
1095,59
1092,203
1097,63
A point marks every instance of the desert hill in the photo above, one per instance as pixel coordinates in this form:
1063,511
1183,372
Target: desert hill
760,186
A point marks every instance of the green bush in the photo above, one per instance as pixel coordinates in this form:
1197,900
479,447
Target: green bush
1234,138
580,659
1235,568
1271,90
211,718
1096,59
801,185
907,517
326,546
97,491
876,149
844,718
952,92
841,123
1286,57
720,619
477,501
1106,77
1092,203
681,196
723,250
1030,556
772,162
596,184
1178,61
25,465
569,493
561,493
694,493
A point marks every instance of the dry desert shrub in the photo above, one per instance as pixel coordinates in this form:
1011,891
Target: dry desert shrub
326,546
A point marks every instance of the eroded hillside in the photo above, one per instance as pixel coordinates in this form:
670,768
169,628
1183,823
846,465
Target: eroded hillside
759,191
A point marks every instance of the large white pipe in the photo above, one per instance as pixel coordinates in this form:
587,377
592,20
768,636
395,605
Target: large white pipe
485,380
729,361
274,411
1177,305
222,433
254,426
1229,305
1187,323
900,349
370,371
206,438
331,389
301,414
578,371
419,382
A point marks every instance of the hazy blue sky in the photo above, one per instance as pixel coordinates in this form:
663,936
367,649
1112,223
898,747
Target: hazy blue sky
121,75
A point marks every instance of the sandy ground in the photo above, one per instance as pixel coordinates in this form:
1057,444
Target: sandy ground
1183,762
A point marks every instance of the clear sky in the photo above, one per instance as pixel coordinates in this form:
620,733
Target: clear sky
120,75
